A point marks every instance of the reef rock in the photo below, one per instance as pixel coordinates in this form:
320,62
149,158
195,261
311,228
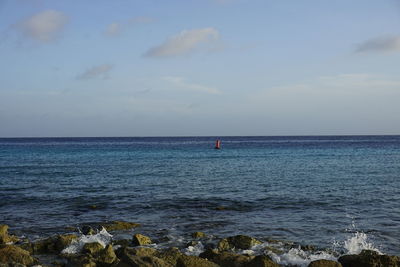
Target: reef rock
193,261
14,255
5,237
369,258
324,263
119,225
237,242
92,248
261,261
141,240
198,235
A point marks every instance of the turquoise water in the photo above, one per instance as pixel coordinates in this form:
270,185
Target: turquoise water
312,190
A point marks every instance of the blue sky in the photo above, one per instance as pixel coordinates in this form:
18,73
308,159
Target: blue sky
199,67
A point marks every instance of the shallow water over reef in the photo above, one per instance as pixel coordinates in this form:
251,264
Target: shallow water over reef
312,190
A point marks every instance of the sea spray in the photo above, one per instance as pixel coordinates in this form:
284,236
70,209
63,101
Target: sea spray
102,237
358,242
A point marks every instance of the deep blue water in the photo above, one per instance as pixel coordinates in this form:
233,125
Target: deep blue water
312,190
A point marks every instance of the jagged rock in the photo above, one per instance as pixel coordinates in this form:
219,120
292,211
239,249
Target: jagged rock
119,225
92,248
324,263
226,258
238,242
88,230
136,261
52,245
140,240
63,241
198,235
261,261
5,237
13,254
170,255
106,256
369,258
193,261
81,261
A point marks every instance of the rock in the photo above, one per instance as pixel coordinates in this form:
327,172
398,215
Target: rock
369,258
120,225
106,256
193,261
92,248
88,230
198,235
324,263
238,242
209,254
228,258
221,208
63,241
14,254
261,261
136,261
140,240
53,245
170,255
5,238
81,261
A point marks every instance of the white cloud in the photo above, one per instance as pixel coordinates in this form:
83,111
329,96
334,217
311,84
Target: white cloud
181,83
381,44
184,43
44,26
100,71
116,28
113,29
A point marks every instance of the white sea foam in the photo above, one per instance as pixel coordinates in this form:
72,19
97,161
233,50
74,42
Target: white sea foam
194,250
299,257
102,237
358,242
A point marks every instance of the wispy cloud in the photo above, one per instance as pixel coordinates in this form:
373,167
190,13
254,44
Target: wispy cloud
181,83
184,43
100,71
44,26
381,44
116,28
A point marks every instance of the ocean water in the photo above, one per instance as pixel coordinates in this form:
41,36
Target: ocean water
327,191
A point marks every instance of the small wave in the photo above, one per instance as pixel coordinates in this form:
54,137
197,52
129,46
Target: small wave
358,242
102,237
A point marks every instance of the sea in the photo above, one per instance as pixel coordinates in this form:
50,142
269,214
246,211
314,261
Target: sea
338,194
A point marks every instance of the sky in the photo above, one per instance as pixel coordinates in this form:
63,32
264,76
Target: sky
77,68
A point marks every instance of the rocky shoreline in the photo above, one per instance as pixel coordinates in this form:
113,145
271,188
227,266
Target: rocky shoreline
91,245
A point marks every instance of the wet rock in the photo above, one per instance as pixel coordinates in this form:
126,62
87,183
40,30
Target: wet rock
369,258
88,230
238,242
63,241
119,225
81,261
141,240
92,248
198,235
226,258
261,261
106,256
170,255
52,245
12,254
324,263
192,244
5,237
221,208
193,261
272,249
136,261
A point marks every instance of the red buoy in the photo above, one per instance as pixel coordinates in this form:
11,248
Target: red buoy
218,144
